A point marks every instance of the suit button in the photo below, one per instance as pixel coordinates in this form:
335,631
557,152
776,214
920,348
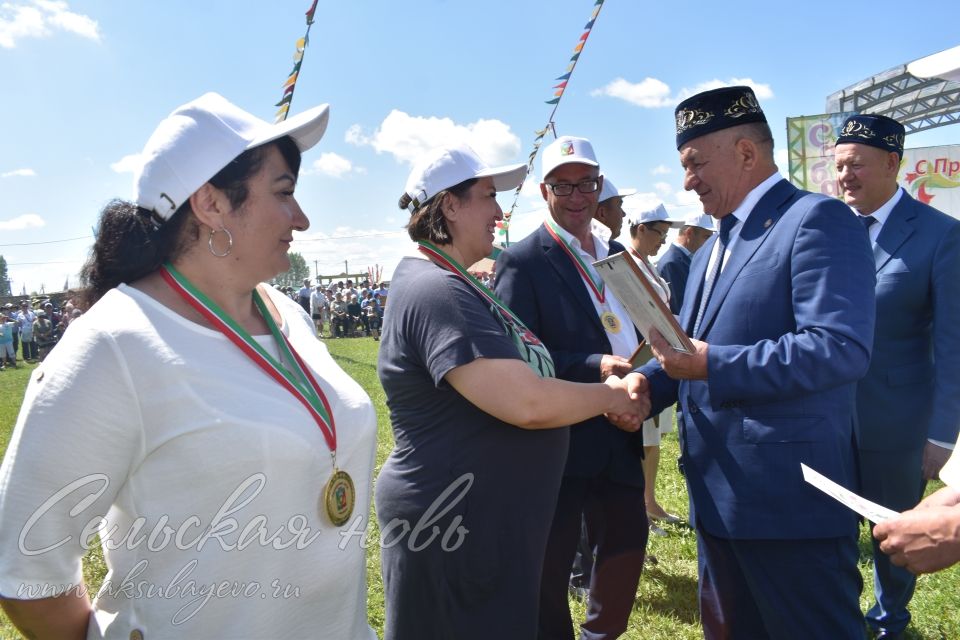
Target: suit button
693,408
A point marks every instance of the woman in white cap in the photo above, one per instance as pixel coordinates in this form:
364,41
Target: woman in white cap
466,498
193,414
648,232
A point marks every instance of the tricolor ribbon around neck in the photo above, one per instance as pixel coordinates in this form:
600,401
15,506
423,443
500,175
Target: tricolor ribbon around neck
534,351
596,286
452,265
299,382
643,261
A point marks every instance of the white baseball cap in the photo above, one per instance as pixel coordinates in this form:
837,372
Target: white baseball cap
567,149
447,167
702,220
609,190
200,138
656,214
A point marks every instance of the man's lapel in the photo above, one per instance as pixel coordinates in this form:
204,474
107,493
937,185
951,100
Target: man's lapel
569,275
895,231
751,234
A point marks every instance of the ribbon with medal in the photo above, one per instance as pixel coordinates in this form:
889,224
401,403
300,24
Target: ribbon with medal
608,318
528,345
339,495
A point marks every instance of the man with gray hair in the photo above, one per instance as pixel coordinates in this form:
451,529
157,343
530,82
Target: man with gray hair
780,309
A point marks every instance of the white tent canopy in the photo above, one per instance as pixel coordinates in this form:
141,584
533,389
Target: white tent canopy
944,65
922,94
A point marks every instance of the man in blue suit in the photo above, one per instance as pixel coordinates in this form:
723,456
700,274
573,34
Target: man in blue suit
548,280
780,307
674,265
908,405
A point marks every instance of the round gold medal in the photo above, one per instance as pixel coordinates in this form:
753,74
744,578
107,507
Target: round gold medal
610,321
338,497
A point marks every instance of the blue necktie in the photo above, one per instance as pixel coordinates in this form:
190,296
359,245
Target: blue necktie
867,221
727,223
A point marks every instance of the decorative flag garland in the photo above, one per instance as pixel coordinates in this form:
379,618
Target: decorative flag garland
374,274
291,82
504,225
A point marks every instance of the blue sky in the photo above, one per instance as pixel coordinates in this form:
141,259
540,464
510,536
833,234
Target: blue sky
84,83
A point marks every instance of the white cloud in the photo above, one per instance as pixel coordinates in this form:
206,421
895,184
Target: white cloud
651,93
334,165
782,158
762,91
407,137
687,198
642,201
355,136
661,170
16,173
127,164
663,188
359,248
26,221
41,19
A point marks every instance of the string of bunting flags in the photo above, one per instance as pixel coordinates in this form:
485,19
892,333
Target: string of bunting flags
504,225
291,82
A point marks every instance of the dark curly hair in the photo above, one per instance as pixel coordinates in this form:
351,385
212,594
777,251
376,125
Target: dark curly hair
427,222
133,242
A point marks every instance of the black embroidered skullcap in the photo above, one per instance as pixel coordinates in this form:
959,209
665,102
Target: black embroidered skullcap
873,130
715,110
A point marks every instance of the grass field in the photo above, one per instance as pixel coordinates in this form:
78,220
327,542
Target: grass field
666,601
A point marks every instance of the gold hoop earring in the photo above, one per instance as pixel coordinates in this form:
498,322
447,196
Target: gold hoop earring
213,251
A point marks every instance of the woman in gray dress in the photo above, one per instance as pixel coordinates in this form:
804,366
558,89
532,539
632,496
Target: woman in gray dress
466,498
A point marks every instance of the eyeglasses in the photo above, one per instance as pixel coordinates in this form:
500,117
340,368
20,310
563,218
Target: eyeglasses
565,188
660,233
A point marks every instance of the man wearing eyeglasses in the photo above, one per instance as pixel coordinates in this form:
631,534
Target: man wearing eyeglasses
548,280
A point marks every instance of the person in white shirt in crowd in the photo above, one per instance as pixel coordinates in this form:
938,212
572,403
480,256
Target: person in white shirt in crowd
28,342
648,232
318,304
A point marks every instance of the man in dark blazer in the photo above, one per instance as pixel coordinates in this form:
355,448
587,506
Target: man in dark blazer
548,280
780,306
609,211
908,405
674,265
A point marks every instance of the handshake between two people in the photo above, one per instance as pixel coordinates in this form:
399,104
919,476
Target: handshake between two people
633,399
618,372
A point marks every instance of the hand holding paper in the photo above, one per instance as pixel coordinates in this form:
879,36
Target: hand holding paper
869,510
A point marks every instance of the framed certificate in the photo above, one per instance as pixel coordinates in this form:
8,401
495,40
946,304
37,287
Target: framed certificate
643,304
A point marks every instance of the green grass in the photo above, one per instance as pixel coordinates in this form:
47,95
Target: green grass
666,605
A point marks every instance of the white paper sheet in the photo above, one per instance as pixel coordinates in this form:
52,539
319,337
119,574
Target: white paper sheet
870,510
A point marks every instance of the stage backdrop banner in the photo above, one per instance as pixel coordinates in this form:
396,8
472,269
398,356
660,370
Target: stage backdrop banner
810,141
929,174
932,175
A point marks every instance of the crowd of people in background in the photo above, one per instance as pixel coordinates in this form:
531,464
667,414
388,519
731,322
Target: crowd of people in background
343,309
32,329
